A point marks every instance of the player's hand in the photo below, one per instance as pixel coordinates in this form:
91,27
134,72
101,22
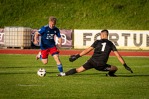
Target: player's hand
59,45
36,42
74,57
127,67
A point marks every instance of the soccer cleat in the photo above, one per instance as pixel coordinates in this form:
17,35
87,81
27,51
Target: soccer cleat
61,74
110,75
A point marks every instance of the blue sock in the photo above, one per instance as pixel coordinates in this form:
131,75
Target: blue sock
60,67
40,57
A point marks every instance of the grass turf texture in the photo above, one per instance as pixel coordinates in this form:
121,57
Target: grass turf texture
20,81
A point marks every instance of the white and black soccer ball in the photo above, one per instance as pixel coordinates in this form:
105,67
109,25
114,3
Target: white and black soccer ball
41,72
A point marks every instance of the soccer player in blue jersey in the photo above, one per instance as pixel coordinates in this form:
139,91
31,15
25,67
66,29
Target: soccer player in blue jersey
48,45
98,61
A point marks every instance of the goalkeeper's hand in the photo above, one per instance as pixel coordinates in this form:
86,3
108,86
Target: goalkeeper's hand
127,67
74,57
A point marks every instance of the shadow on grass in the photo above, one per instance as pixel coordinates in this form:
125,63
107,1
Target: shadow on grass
13,67
134,75
10,73
118,75
102,74
5,67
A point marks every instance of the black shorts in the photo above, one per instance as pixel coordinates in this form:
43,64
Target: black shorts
91,64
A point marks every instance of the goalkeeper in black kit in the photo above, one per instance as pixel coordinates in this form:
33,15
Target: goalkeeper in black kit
98,61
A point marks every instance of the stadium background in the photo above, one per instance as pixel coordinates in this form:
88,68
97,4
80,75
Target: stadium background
78,14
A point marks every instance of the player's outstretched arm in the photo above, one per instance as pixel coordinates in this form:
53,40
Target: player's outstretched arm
122,61
84,52
74,57
127,67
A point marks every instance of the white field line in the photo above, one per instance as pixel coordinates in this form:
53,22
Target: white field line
26,85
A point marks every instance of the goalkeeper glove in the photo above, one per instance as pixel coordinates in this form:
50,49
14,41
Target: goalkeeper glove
128,68
74,57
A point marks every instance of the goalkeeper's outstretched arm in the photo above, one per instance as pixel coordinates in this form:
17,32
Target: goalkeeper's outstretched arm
122,61
86,51
119,57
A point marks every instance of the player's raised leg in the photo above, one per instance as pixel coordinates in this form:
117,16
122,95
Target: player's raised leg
43,56
38,56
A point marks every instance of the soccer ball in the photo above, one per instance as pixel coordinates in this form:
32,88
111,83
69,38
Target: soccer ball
41,72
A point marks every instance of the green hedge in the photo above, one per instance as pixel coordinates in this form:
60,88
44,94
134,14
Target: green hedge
76,14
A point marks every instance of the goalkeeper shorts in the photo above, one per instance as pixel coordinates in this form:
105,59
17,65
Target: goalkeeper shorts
91,64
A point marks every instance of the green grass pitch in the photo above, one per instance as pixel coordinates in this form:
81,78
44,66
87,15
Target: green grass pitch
19,80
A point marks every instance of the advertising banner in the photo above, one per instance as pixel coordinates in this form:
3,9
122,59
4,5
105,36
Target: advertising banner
66,38
1,37
123,39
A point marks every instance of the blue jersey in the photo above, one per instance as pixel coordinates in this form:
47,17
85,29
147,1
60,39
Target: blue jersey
47,36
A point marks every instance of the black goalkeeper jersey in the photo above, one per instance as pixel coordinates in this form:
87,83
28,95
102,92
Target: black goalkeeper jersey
102,50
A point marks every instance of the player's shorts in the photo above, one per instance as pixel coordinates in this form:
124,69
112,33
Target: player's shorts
46,52
91,64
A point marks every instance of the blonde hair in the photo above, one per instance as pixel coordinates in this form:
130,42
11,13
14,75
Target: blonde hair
52,18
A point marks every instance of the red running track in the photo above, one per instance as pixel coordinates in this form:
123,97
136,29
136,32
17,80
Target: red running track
70,52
